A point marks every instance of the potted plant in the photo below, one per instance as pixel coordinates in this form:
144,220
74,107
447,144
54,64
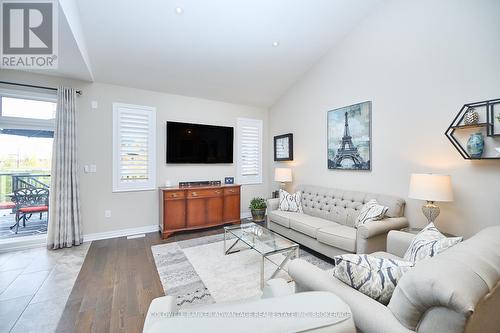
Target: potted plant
258,208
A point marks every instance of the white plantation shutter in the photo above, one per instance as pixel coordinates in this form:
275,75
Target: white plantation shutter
249,151
134,147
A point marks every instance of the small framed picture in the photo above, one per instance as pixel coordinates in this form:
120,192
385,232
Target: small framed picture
283,147
229,180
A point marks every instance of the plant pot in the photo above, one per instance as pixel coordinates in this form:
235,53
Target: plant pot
258,215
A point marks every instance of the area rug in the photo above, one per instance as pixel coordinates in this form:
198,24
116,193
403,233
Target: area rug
197,272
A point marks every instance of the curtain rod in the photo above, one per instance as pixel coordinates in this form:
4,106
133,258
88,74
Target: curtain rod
79,92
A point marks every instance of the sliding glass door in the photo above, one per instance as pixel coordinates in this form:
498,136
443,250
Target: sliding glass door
26,135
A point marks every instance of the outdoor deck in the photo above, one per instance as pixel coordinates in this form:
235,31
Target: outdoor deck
34,226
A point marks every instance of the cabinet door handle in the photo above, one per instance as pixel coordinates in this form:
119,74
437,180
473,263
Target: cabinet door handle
231,191
174,195
194,194
217,192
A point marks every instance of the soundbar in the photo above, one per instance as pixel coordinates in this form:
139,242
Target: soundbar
200,183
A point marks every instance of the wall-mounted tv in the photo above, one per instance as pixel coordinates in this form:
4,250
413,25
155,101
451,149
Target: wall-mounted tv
196,143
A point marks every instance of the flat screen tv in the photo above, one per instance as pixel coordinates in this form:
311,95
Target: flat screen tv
196,143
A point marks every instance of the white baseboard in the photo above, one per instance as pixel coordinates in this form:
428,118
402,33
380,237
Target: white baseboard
135,231
121,233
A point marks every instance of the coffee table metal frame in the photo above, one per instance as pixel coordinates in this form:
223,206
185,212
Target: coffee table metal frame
288,251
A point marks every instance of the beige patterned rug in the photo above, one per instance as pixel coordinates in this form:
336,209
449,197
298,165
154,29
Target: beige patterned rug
198,272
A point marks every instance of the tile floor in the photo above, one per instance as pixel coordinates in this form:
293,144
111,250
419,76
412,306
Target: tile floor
35,285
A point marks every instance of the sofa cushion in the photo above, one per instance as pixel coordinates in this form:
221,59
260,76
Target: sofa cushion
308,225
386,255
371,211
281,217
428,243
290,202
310,277
339,236
374,277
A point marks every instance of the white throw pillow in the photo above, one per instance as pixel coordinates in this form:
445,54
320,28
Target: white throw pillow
428,243
371,211
290,202
374,277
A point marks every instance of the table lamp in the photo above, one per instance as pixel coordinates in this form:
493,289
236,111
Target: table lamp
431,188
283,175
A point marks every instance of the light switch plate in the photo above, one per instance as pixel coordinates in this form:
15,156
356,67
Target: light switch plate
94,104
86,169
93,168
107,213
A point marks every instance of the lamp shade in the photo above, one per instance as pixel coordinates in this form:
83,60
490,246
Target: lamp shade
430,187
283,175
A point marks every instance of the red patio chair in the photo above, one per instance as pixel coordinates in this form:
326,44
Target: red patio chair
29,201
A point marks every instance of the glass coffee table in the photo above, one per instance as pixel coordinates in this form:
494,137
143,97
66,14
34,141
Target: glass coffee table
263,241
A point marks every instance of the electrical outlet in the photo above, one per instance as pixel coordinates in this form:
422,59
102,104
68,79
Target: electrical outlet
107,213
93,168
86,169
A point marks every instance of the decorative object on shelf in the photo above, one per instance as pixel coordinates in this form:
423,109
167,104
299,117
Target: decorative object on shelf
460,127
283,147
471,116
258,209
431,188
229,180
283,175
475,145
349,137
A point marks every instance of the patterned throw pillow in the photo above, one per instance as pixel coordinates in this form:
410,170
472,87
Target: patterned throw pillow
290,202
371,211
374,277
428,243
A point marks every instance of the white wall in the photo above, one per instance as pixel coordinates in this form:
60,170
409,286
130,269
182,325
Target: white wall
418,61
139,209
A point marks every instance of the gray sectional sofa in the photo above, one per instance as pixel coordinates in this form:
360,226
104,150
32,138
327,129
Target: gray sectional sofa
456,291
327,225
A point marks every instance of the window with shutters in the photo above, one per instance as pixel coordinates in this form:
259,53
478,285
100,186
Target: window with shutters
249,151
134,147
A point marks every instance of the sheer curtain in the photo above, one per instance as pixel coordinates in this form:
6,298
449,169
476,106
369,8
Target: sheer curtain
64,228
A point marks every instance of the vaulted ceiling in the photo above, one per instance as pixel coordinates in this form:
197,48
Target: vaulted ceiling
241,51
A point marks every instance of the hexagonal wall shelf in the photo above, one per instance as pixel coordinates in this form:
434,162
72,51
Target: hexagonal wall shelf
487,123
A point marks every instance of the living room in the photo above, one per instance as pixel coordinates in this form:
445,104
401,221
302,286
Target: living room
189,164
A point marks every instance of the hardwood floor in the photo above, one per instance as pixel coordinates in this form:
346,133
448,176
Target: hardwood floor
116,284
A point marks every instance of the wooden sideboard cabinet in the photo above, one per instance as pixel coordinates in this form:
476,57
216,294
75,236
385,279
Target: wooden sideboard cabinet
189,208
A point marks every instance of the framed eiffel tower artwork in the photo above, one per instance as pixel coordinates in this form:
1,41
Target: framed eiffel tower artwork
349,137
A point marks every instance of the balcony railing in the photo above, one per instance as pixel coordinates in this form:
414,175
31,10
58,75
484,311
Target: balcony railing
10,182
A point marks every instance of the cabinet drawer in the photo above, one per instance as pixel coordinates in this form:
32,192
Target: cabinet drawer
172,195
231,190
206,193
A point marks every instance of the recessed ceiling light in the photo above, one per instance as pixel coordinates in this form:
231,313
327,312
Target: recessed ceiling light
276,44
179,10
